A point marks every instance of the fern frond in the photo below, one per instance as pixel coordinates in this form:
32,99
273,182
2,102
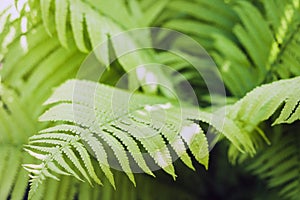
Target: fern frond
61,15
18,73
21,66
11,163
262,103
279,165
97,113
91,25
218,39
194,19
13,178
88,133
104,125
89,16
70,188
261,48
258,33
287,35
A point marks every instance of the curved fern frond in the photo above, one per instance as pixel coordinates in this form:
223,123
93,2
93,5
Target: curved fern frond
99,117
97,122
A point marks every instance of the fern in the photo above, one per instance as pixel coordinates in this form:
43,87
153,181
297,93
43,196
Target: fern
249,113
19,109
279,164
261,48
220,21
119,129
267,100
93,23
13,179
22,72
252,43
91,118
286,33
